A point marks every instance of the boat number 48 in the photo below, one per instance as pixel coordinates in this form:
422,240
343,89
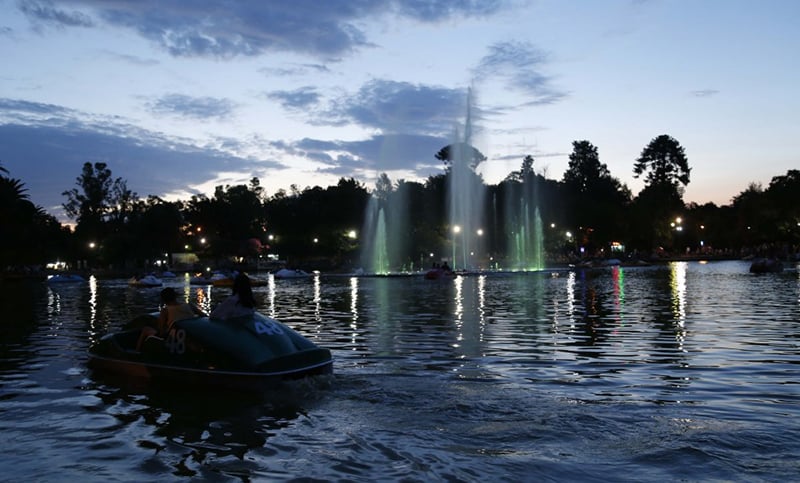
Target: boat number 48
268,327
176,341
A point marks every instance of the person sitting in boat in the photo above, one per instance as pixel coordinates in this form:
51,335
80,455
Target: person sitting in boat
172,312
239,303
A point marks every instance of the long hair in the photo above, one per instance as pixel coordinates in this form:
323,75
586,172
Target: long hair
242,288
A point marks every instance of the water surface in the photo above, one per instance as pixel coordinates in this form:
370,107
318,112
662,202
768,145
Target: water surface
687,371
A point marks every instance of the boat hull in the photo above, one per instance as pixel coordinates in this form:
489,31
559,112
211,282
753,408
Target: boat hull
253,352
163,374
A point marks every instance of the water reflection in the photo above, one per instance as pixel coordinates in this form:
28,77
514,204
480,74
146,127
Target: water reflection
571,297
317,297
678,287
92,300
271,296
677,273
194,433
468,315
618,278
386,331
354,308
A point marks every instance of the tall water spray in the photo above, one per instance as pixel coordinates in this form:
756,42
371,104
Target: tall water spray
523,223
375,251
466,193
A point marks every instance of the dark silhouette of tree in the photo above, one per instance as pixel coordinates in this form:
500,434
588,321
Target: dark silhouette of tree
383,187
663,162
326,215
460,152
782,194
98,199
666,169
752,220
228,220
525,171
30,236
597,202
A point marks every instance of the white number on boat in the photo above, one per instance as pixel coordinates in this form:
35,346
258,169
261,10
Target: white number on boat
268,327
176,341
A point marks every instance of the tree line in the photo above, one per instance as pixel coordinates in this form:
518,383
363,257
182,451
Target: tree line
586,213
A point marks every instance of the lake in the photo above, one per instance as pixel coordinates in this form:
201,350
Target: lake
686,371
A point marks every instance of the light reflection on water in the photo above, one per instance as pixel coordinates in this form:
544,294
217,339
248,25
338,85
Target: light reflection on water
683,371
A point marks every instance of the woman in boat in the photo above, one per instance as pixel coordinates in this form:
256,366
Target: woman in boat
240,302
172,312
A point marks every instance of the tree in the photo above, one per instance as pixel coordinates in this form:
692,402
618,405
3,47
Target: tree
665,163
30,236
585,169
596,201
458,152
525,171
98,199
383,187
661,200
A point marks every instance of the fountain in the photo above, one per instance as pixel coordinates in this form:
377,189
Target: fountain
524,222
386,231
375,253
466,193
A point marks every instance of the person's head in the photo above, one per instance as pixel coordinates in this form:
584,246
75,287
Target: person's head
242,288
169,295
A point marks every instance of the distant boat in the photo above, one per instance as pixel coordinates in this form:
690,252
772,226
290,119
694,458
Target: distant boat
146,281
766,265
288,273
65,278
228,281
439,273
208,279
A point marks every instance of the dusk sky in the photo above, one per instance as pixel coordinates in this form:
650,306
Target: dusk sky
178,97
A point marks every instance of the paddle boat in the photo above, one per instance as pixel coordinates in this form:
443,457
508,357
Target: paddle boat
289,273
65,278
228,281
146,281
766,265
209,278
249,353
439,274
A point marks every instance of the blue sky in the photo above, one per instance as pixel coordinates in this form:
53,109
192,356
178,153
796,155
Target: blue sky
178,97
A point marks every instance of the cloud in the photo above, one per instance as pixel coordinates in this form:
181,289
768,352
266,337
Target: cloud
705,93
131,59
46,145
298,99
387,152
392,106
437,11
43,12
192,107
521,65
295,70
222,29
